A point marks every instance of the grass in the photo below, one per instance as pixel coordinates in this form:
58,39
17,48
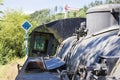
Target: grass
9,71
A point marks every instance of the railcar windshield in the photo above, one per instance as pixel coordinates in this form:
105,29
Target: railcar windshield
42,44
39,43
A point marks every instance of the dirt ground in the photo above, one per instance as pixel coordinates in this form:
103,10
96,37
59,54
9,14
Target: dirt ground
10,71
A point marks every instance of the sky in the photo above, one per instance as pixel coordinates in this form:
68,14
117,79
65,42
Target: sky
29,6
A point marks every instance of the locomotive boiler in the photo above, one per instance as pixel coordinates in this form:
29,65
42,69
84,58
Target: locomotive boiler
94,52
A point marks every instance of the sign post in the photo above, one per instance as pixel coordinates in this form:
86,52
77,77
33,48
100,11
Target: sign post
26,26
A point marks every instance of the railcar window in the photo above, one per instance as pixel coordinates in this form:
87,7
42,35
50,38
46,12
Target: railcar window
119,18
39,43
116,15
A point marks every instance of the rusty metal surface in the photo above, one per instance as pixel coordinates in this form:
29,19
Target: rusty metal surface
31,72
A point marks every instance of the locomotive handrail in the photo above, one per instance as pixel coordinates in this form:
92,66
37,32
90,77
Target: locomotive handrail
106,57
103,31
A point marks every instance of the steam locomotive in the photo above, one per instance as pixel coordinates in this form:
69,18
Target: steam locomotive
92,53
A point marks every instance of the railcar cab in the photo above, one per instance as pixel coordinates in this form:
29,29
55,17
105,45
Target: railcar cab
42,44
38,65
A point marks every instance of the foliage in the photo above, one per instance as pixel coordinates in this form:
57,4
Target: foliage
112,1
46,15
40,17
12,35
96,3
1,3
1,0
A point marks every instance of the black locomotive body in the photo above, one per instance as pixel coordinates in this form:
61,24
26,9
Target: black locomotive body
95,56
93,53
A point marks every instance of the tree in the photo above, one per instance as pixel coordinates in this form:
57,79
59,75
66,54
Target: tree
41,17
1,3
12,35
108,1
112,1
55,9
96,3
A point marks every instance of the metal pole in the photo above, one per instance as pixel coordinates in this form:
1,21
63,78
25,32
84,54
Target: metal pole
26,43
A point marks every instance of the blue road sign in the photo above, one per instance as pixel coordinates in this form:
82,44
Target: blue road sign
26,25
